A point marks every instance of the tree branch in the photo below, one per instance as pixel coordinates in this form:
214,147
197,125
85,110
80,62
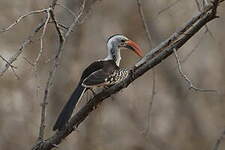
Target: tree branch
21,48
56,61
190,84
41,143
219,140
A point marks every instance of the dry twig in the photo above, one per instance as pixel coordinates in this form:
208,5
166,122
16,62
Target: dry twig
168,7
218,141
10,65
42,36
21,18
190,84
62,41
194,49
67,9
21,48
44,103
148,35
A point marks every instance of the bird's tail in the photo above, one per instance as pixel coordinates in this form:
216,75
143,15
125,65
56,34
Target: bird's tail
67,110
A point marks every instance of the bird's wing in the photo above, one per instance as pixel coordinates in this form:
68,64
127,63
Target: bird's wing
95,66
102,77
97,78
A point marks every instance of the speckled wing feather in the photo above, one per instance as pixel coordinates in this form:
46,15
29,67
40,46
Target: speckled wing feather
102,77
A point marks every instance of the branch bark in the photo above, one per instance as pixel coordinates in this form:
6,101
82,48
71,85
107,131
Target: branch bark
151,59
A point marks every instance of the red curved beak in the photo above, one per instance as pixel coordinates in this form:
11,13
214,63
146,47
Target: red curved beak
135,47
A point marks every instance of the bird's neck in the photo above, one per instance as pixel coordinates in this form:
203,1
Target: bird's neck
114,54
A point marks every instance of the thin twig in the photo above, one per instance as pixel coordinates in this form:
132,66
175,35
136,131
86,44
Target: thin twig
180,33
42,36
76,19
21,18
11,66
144,22
16,75
149,118
54,67
67,9
194,49
44,103
61,39
150,41
219,140
191,86
21,48
7,62
168,7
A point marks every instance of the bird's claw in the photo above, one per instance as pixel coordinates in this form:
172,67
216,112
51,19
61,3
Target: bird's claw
132,72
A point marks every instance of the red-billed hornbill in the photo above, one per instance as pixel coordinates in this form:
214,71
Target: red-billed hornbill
103,72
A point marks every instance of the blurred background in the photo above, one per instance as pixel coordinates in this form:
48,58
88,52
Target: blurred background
180,119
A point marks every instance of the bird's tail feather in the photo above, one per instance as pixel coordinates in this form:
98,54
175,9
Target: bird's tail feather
67,110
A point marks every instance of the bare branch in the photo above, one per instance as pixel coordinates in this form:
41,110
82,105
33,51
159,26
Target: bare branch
219,140
53,70
76,19
144,22
194,49
21,48
7,62
16,75
22,17
28,61
50,14
67,9
190,84
148,35
148,126
11,66
42,36
168,7
179,34
29,38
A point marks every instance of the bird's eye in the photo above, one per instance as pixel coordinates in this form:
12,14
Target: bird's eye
122,40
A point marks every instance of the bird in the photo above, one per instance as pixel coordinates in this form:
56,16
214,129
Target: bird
100,73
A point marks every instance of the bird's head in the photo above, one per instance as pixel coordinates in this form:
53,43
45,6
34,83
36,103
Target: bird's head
120,41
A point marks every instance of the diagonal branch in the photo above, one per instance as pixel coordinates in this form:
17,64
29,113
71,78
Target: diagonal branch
153,58
219,140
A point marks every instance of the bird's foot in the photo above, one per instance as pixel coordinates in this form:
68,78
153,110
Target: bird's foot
132,72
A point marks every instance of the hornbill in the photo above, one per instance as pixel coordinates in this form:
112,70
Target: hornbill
103,73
